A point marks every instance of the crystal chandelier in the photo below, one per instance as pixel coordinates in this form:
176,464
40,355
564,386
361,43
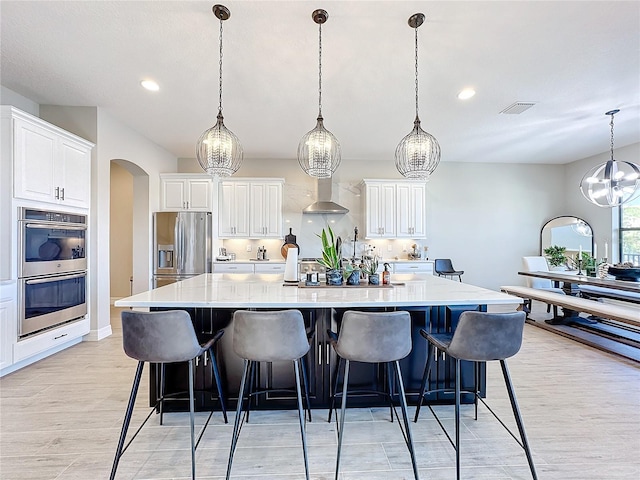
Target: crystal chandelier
418,154
218,150
612,183
319,151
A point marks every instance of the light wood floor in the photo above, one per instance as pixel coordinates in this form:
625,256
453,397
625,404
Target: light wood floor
60,419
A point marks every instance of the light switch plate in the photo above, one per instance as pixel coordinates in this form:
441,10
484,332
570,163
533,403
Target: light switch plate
249,248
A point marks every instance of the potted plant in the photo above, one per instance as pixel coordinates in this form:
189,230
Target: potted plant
371,269
331,256
555,255
351,274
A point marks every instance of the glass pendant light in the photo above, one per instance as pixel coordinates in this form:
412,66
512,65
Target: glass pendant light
612,183
417,154
218,150
319,151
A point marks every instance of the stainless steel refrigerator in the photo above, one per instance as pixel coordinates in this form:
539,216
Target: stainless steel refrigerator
181,246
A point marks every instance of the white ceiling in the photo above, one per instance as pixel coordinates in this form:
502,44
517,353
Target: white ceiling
575,60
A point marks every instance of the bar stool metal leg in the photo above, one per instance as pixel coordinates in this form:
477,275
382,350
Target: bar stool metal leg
236,423
192,421
162,383
403,403
457,415
518,417
342,414
387,367
335,389
127,419
425,379
301,415
303,368
216,376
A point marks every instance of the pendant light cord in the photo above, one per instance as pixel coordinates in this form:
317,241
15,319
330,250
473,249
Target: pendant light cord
611,123
416,29
320,70
220,79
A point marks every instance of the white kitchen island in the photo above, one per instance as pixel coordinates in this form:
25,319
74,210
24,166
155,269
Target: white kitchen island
434,304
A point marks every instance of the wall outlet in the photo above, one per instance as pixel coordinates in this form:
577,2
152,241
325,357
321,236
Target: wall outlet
248,247
389,247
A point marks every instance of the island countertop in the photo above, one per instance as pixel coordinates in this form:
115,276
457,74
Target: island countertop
215,290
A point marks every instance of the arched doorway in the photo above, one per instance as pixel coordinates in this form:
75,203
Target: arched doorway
130,229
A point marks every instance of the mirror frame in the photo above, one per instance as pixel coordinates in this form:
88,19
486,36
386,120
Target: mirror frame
565,216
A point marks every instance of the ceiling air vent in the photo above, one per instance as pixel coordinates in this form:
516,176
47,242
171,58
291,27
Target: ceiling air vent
517,108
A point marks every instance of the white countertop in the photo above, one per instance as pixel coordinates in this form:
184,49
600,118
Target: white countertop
215,290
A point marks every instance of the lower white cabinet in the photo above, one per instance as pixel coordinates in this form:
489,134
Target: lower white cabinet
49,340
249,267
8,323
232,268
269,267
413,267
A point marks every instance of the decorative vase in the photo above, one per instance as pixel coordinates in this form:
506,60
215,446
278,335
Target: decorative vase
354,278
374,279
334,277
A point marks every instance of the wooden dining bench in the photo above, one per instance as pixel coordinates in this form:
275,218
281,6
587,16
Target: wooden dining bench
629,315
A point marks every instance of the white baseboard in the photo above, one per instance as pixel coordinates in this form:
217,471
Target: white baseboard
97,335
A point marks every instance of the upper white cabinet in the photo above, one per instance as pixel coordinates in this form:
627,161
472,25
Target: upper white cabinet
265,211
394,208
250,208
186,192
233,214
49,164
380,209
411,214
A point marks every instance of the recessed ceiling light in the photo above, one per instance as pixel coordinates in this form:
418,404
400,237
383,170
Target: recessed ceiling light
150,85
466,94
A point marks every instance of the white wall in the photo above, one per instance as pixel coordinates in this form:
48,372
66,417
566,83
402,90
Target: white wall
9,97
121,233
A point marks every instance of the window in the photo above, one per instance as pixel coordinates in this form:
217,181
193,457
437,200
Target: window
630,232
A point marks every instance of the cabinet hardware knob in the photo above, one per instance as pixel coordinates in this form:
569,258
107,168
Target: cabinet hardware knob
62,193
60,336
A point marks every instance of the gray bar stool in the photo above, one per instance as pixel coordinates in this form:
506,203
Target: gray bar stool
374,337
479,337
163,337
269,336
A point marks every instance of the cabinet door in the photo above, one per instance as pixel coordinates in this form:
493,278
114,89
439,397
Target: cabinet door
234,210
8,331
74,174
266,210
34,162
199,194
410,217
173,194
380,210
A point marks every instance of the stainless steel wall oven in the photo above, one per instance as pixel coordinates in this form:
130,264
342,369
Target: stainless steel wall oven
52,269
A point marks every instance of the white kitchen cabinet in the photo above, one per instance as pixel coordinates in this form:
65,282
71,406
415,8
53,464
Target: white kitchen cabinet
394,209
8,323
233,215
269,267
413,266
49,164
232,267
186,192
380,209
411,217
250,208
265,210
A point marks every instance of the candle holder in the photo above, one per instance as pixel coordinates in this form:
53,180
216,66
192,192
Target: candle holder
579,261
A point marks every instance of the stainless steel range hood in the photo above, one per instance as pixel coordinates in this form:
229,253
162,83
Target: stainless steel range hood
324,203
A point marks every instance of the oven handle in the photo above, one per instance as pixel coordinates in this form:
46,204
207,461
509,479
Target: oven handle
54,278
56,226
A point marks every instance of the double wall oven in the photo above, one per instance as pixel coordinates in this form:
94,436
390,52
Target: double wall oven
52,269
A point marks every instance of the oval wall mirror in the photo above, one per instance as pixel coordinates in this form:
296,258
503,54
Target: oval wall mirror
569,232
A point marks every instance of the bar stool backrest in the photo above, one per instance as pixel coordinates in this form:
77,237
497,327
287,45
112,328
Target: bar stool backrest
483,337
159,337
269,336
374,337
